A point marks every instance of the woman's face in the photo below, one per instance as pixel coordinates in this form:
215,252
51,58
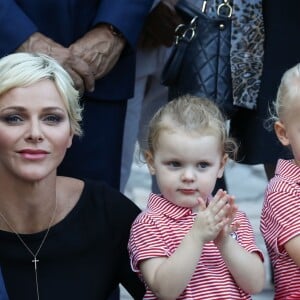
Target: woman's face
34,131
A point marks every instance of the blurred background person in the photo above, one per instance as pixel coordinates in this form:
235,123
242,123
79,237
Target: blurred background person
153,50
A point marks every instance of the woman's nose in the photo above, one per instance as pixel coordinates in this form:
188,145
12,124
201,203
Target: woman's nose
34,133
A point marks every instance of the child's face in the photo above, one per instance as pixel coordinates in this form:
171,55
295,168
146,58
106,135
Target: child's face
187,165
288,129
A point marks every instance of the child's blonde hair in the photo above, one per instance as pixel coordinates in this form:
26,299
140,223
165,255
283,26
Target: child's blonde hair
193,114
288,90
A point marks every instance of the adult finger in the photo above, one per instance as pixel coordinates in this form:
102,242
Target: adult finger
78,81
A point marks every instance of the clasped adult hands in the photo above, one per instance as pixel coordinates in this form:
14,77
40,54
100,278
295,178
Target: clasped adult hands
86,60
78,69
100,49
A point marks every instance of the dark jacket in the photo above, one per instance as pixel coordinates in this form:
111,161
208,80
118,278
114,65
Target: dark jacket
65,21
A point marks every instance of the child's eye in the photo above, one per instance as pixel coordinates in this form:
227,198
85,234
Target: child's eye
174,164
203,165
12,119
52,119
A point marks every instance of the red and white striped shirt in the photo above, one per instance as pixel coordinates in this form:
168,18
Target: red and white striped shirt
158,231
280,222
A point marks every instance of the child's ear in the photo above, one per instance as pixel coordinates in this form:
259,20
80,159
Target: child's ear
150,161
281,133
222,165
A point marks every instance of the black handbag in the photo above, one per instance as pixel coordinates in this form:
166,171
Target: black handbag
199,63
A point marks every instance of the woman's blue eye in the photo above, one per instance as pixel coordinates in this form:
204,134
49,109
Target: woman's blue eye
12,119
52,119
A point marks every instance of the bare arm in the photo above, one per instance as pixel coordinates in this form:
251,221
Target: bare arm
246,268
293,249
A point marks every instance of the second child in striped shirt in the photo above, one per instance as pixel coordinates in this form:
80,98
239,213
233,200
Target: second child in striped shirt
280,219
189,244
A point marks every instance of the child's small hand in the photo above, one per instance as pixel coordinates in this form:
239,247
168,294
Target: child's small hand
229,227
213,217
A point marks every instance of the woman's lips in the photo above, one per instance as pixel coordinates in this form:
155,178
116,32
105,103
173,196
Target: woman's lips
33,154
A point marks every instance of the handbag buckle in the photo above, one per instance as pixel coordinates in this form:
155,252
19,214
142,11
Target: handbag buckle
186,32
224,9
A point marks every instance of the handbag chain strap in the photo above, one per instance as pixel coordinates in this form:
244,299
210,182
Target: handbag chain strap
188,31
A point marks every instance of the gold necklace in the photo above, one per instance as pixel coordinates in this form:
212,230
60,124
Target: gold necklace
34,255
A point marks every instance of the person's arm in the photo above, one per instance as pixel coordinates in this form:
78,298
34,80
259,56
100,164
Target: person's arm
168,277
18,33
288,223
129,279
100,48
128,16
292,247
77,68
103,45
122,212
246,267
15,27
160,25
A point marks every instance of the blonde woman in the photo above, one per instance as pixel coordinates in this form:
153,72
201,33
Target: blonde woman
61,238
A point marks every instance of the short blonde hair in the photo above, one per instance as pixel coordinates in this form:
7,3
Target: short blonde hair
193,114
24,69
289,90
